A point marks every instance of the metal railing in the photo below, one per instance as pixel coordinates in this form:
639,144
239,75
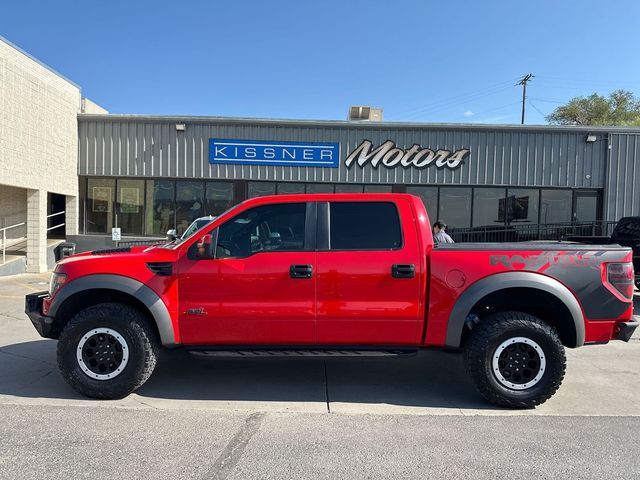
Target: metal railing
4,238
531,232
55,215
17,240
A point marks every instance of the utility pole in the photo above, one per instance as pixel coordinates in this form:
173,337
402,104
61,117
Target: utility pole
523,81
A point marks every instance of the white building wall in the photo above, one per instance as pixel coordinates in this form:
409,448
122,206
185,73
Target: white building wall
38,148
13,210
38,125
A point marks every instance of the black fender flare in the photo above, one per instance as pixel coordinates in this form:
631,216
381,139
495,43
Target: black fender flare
501,281
127,285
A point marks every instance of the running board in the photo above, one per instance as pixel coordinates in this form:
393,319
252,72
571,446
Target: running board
246,352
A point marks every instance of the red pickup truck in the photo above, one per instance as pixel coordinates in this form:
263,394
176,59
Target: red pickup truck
335,275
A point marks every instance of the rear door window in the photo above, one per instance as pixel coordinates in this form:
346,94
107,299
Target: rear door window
364,226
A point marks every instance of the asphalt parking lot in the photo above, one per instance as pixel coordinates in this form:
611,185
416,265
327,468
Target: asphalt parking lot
306,418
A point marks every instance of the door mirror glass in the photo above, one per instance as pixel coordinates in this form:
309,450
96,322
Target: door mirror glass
204,247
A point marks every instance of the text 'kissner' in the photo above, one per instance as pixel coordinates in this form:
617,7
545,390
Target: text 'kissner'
389,155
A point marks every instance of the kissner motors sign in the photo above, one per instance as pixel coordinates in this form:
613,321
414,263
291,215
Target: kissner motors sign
327,154
255,152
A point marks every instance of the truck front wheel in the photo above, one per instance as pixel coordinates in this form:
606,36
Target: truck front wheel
107,351
515,359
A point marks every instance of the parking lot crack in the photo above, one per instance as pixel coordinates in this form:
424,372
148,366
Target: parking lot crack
232,453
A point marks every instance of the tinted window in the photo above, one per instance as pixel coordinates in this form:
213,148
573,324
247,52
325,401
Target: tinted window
522,205
100,204
160,206
189,204
555,206
455,207
489,206
269,228
319,188
348,188
261,189
290,188
364,226
218,198
377,189
429,196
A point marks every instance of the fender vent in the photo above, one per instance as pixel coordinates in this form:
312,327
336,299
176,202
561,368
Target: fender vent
161,268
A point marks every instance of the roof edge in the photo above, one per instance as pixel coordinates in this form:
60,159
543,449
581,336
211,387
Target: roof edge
86,117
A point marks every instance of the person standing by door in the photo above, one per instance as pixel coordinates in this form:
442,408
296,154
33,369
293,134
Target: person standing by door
439,234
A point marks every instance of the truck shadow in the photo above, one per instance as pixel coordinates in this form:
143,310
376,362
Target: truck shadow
429,379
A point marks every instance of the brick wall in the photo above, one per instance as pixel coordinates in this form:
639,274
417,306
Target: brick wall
38,125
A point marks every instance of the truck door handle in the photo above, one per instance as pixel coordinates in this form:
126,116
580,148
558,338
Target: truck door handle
399,270
300,271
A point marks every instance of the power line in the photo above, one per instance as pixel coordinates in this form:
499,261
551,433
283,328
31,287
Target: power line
463,97
523,81
537,109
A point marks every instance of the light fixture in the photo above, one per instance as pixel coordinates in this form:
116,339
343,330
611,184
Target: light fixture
591,138
181,127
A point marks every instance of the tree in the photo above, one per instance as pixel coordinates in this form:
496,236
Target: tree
620,108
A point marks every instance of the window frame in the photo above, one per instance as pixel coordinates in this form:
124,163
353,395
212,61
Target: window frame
324,228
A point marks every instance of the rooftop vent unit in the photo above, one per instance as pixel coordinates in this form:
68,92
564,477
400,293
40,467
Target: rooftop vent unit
368,114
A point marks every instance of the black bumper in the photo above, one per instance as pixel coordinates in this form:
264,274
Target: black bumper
625,330
33,309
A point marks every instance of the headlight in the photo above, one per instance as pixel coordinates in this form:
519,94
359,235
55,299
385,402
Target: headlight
57,280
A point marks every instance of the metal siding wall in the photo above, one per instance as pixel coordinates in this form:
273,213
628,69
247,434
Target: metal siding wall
622,193
153,148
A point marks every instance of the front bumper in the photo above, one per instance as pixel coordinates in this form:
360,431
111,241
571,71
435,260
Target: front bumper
623,331
33,309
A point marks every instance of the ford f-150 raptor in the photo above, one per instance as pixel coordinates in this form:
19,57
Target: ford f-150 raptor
335,275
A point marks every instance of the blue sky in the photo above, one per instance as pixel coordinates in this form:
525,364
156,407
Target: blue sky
431,61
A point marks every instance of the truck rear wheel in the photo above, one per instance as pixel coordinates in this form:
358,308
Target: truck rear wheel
107,351
515,359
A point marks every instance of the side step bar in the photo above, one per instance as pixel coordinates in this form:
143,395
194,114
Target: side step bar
253,352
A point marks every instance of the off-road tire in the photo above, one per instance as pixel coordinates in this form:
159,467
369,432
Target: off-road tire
128,322
489,334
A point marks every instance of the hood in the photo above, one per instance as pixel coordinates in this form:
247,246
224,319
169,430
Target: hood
115,260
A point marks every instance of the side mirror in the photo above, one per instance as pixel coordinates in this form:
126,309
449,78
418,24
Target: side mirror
204,247
172,235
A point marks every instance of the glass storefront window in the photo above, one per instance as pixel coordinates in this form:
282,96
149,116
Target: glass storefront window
218,198
160,211
488,207
319,188
429,196
130,206
260,189
100,199
377,189
189,204
290,188
455,206
522,205
555,206
348,188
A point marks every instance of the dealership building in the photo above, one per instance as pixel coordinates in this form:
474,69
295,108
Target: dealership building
147,174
